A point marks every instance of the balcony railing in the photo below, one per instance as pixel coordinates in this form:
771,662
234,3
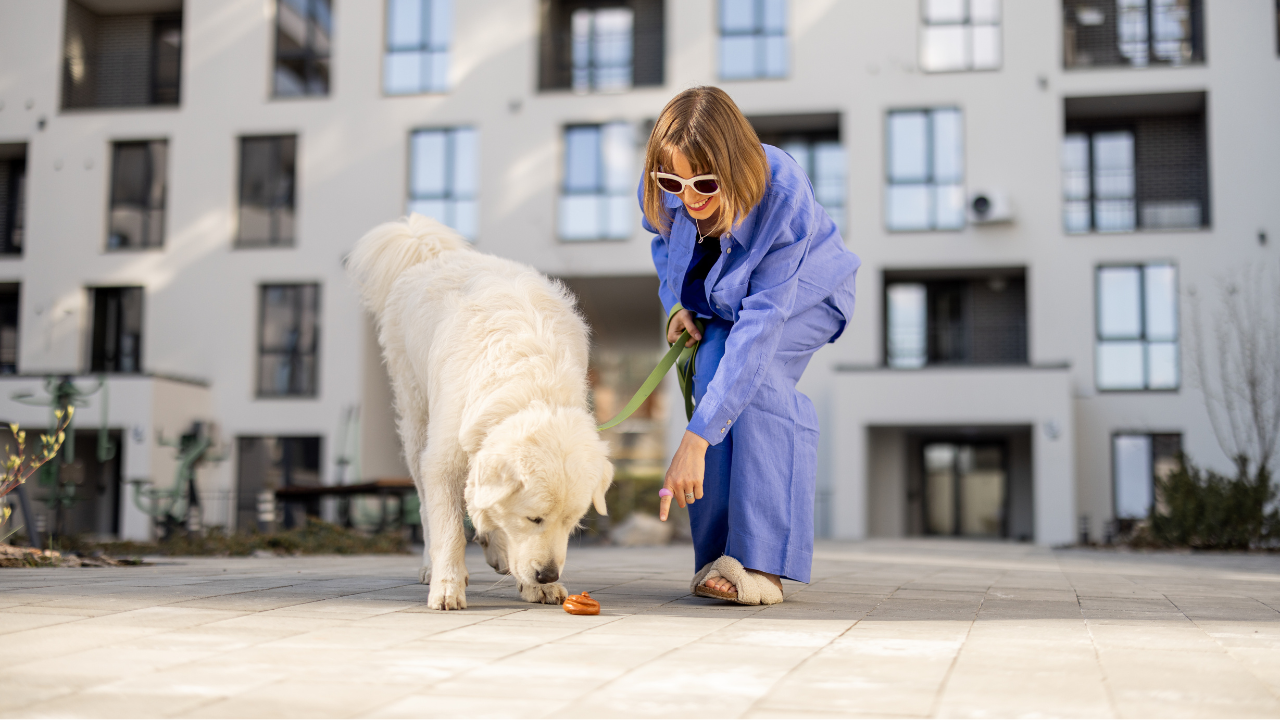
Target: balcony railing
1132,33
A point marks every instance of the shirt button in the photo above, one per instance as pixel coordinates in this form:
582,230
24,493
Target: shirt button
721,429
729,250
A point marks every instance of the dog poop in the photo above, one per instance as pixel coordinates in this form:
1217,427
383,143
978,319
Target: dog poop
582,604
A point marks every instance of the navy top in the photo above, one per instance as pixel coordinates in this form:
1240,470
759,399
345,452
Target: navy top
694,297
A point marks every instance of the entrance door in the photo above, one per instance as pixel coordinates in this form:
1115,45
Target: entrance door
966,488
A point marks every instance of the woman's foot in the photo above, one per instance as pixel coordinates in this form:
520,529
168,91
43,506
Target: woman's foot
723,585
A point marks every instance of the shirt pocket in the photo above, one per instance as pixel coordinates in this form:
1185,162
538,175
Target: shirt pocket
727,300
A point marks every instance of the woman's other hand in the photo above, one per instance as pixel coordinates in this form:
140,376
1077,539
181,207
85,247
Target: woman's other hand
685,473
681,321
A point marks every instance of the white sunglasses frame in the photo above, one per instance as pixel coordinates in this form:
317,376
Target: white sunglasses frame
686,183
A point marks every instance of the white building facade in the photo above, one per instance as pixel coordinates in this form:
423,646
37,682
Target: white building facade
1033,188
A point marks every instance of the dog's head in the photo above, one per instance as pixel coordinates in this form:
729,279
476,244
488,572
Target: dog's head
530,483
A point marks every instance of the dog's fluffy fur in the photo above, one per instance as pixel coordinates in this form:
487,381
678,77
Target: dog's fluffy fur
488,364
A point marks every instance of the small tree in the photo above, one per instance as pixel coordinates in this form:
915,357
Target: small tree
18,467
1237,365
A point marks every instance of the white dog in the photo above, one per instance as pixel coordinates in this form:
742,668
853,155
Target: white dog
488,363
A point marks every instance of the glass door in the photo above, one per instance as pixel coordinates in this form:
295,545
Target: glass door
966,488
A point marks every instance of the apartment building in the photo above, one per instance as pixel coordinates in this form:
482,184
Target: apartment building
1033,188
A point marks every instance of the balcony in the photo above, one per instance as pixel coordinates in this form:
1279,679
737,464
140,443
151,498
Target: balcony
1132,33
114,56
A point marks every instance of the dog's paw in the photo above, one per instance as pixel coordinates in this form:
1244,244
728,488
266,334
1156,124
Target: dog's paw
551,593
424,574
447,595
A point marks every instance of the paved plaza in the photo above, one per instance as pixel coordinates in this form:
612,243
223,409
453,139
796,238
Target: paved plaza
893,628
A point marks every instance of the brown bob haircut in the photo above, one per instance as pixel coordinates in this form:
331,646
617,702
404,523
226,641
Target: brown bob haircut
705,125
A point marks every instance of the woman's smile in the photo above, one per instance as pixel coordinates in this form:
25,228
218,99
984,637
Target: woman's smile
700,207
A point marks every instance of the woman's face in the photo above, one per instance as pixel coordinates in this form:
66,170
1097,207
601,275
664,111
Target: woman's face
700,207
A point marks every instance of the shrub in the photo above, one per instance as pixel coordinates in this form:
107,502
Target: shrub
1202,509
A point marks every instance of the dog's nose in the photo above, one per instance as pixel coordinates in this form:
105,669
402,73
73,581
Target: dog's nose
547,575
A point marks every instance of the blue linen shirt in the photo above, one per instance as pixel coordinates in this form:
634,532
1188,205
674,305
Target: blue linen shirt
783,258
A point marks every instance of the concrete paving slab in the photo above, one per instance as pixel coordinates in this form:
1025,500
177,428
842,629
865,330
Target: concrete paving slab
908,628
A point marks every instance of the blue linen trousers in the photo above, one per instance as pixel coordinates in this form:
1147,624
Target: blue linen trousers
758,486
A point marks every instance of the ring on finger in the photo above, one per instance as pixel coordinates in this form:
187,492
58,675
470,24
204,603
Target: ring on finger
688,497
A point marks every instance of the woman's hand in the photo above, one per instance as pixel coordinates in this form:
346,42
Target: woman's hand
681,321
685,473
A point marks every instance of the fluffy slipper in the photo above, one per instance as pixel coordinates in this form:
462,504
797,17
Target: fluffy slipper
753,588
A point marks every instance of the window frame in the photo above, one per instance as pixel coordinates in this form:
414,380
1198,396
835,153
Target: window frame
1092,197
163,207
602,191
294,356
424,46
95,297
1152,457
592,66
451,195
14,290
274,242
968,23
308,54
1143,337
15,202
931,183
761,32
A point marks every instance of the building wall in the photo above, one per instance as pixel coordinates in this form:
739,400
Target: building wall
856,59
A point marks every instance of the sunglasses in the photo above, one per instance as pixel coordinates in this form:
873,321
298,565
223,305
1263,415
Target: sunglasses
674,184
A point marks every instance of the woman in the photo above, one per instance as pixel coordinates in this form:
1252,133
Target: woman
743,246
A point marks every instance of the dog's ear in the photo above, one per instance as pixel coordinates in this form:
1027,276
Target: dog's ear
489,481
606,479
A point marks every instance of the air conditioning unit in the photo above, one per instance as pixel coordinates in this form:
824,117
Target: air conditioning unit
988,206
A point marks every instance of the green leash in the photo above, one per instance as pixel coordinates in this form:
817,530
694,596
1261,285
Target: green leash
680,356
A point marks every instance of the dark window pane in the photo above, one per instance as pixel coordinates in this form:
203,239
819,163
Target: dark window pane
288,338
267,190
137,195
9,329
117,330
13,201
303,45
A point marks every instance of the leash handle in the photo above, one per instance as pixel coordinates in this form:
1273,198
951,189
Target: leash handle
680,356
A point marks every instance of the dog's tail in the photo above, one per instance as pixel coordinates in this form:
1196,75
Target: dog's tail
391,248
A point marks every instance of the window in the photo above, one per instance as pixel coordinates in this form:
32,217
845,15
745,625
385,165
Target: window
949,319
288,340
814,141
1137,460
926,170
113,56
753,39
601,45
960,35
418,35
13,198
117,330
443,177
1098,181
602,48
1139,170
267,166
823,161
1137,327
1136,33
9,294
303,33
267,464
137,195
598,196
